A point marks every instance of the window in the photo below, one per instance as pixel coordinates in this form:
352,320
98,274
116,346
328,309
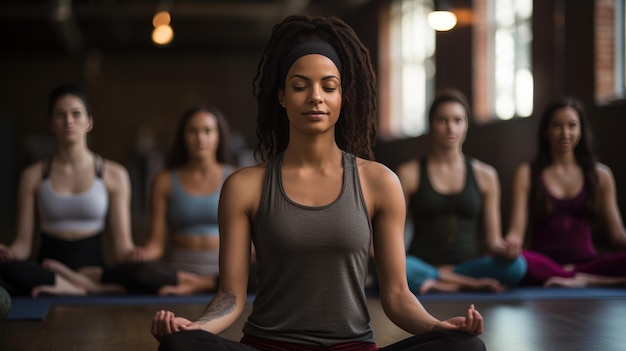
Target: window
610,54
407,68
511,74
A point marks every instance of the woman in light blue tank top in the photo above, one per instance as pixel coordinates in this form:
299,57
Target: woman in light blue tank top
184,199
74,194
183,229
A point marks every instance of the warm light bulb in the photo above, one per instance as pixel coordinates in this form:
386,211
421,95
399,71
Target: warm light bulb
162,35
442,20
161,18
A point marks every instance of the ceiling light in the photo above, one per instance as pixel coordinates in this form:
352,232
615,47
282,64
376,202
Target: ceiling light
442,20
162,35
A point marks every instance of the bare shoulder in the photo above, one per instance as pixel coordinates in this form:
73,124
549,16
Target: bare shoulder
486,176
246,180
115,174
31,176
603,170
605,175
483,169
375,174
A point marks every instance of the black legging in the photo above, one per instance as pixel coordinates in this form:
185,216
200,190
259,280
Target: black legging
199,340
20,277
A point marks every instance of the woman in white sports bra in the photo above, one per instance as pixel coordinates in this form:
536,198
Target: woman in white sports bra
74,194
181,255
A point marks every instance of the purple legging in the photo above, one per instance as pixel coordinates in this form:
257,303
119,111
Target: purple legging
542,267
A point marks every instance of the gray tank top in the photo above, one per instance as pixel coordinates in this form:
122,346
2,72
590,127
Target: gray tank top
312,264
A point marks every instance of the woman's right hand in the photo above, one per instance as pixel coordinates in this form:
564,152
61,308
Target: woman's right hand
165,323
472,323
6,254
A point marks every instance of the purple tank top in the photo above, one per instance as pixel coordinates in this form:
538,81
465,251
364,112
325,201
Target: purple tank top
565,235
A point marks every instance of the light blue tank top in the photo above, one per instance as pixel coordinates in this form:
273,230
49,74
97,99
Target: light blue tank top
84,212
193,214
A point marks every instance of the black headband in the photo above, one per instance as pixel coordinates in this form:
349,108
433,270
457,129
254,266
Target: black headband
308,48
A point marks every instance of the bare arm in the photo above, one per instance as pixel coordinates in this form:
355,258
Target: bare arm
118,184
519,205
386,205
238,201
409,176
239,198
21,247
161,188
608,207
489,185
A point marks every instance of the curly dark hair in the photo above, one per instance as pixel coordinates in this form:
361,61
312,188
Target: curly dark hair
355,131
583,153
179,155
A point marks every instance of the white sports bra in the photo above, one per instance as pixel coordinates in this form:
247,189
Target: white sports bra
84,212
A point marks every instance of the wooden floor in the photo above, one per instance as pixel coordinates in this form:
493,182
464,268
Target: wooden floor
509,326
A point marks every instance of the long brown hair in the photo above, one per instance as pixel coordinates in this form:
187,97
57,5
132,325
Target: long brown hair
583,152
179,155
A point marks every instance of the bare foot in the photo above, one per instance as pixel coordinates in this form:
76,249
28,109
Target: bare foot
437,285
86,278
581,280
61,287
489,284
189,283
565,282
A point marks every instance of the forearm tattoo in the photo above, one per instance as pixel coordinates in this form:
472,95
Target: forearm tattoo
221,305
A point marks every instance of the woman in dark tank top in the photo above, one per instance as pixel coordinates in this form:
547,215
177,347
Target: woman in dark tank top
312,208
447,193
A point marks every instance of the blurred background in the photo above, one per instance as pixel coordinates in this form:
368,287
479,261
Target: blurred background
510,57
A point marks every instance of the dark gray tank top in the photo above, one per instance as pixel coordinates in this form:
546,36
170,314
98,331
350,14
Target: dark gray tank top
312,264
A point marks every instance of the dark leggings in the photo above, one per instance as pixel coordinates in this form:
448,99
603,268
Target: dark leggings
141,278
197,340
20,277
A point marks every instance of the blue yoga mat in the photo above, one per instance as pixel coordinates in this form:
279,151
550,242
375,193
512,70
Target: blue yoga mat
531,293
25,308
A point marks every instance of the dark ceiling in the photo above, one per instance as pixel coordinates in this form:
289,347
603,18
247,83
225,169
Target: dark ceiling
66,27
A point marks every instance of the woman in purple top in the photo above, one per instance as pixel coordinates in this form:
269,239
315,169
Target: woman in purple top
563,191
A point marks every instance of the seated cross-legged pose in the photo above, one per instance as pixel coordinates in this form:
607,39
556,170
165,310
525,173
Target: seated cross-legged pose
448,193
71,193
184,201
185,198
312,208
561,193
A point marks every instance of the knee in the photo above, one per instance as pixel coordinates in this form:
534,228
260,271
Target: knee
418,272
460,341
473,343
189,340
516,271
